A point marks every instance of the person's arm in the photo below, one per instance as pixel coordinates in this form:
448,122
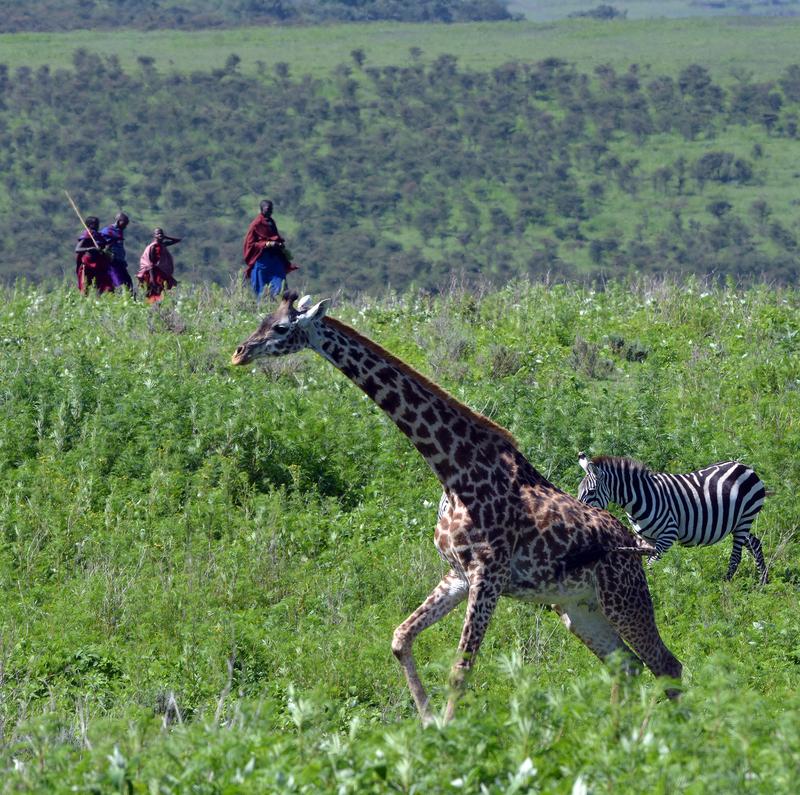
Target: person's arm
87,244
170,241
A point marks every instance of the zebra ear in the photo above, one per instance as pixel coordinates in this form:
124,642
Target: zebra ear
585,463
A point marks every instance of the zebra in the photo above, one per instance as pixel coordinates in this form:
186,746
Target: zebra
694,509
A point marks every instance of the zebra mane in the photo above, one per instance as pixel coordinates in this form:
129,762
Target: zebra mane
620,462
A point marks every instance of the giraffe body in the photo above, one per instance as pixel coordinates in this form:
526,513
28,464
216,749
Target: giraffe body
505,532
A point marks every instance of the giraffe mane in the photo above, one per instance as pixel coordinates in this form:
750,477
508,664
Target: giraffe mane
451,401
620,462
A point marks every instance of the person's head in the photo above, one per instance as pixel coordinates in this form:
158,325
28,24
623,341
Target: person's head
121,220
93,222
158,234
266,208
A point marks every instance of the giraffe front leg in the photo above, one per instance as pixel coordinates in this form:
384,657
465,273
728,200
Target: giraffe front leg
450,591
483,596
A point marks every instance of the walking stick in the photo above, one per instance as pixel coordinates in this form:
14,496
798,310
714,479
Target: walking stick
80,218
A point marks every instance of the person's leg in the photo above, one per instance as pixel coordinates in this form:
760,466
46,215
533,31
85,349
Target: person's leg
275,286
257,280
118,271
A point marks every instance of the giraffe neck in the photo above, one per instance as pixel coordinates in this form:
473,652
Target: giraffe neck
451,438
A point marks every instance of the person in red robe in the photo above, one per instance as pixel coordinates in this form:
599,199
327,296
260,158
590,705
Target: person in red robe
156,266
267,260
92,259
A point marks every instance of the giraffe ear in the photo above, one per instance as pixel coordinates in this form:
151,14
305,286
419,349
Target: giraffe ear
317,312
585,463
303,304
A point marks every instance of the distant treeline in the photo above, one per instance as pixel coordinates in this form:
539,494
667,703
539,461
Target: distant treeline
55,15
404,174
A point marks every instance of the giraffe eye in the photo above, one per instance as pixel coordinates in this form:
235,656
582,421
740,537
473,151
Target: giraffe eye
280,328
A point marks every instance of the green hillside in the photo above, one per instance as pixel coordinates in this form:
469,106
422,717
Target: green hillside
57,15
201,567
547,10
405,175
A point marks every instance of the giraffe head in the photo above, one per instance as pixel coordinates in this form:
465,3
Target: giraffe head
591,489
286,330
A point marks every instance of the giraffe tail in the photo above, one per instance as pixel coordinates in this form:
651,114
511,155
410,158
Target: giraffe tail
586,556
644,550
638,547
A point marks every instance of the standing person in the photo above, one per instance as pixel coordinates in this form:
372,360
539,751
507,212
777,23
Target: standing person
115,234
156,266
267,261
91,259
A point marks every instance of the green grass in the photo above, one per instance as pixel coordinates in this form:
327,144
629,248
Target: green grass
764,46
201,567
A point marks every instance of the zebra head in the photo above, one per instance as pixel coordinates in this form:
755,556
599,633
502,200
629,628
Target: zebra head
593,489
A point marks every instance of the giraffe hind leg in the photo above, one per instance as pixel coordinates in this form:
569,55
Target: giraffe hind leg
754,545
586,621
625,601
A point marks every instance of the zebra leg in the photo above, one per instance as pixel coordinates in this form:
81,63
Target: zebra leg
663,543
754,545
739,540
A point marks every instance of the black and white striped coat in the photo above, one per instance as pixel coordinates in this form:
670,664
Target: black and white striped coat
694,509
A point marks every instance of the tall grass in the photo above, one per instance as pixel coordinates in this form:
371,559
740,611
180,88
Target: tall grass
201,567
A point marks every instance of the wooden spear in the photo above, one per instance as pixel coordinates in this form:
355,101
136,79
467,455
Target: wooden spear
80,218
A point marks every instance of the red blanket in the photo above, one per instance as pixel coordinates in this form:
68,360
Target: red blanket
259,232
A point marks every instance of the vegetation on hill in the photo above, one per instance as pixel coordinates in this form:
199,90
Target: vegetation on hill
400,175
39,15
201,566
544,10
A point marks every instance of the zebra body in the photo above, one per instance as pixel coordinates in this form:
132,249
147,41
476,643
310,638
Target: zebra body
693,509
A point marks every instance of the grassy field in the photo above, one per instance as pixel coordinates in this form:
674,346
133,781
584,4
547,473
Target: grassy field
201,567
762,46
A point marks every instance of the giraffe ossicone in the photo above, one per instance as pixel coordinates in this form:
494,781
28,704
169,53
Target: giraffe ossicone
503,529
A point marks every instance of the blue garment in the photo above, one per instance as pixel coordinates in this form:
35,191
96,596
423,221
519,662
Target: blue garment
118,269
116,238
269,269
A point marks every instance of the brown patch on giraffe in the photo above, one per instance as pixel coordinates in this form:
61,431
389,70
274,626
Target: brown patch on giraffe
370,386
429,415
390,402
411,395
405,428
463,454
387,374
444,438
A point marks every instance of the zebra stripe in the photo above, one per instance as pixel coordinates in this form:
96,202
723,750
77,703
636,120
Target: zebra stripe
694,509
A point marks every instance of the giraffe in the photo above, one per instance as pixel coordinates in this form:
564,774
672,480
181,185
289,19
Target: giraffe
504,529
